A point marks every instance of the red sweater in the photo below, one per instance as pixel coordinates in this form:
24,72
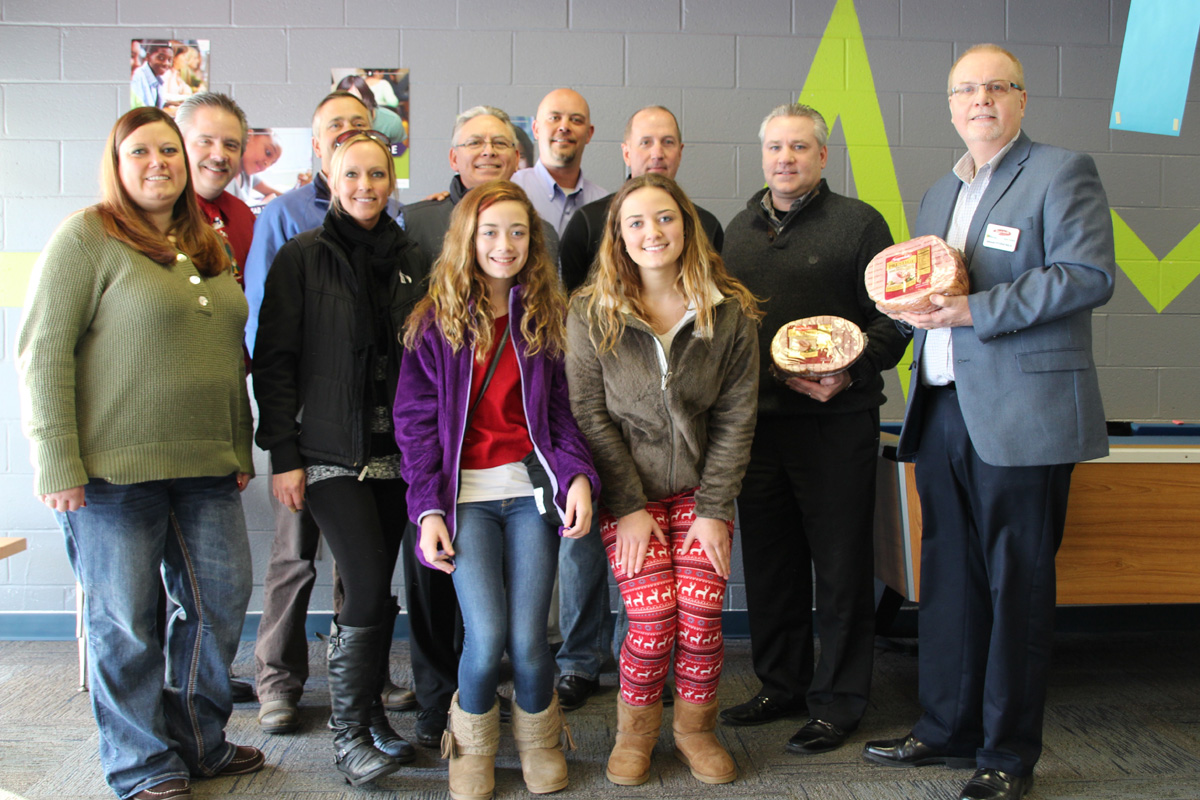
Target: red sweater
234,220
497,435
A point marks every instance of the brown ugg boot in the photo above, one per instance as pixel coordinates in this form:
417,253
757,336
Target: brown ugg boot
539,743
696,745
470,742
637,731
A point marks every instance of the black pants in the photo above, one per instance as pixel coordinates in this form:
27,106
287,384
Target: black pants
989,536
808,502
364,523
435,630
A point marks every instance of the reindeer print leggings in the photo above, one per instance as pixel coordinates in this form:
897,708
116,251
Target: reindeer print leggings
675,600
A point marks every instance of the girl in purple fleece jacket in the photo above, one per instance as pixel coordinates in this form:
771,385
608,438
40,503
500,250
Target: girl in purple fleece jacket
466,438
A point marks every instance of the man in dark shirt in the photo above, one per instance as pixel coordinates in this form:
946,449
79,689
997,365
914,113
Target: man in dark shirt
652,144
808,497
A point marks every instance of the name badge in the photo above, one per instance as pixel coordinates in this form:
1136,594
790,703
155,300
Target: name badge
1001,237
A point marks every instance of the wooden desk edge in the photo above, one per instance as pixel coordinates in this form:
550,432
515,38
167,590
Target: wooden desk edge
11,545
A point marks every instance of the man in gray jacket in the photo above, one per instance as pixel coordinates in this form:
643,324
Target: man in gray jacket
1004,399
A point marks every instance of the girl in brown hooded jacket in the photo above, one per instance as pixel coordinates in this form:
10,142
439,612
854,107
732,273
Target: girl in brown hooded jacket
662,364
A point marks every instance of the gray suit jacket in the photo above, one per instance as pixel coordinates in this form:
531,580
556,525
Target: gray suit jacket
1026,379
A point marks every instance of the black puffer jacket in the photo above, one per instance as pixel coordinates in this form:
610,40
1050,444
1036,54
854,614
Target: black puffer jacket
310,369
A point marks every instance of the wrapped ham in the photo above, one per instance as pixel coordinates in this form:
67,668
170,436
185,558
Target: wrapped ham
902,277
816,346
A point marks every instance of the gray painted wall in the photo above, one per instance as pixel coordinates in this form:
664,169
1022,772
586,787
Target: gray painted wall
719,65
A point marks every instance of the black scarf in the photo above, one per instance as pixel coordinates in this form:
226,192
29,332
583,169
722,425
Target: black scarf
373,256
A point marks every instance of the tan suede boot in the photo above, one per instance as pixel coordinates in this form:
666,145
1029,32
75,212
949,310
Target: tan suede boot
539,743
637,731
470,742
697,746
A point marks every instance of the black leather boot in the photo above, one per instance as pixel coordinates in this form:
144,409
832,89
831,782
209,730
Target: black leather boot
385,737
353,688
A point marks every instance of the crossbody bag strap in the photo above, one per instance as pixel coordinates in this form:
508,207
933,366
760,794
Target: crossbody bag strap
488,377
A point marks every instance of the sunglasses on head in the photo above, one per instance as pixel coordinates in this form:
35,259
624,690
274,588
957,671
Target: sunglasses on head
346,136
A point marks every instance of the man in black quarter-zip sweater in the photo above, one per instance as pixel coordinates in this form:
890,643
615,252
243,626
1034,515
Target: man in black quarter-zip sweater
808,498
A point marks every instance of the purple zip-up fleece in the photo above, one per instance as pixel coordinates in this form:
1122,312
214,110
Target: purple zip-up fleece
430,412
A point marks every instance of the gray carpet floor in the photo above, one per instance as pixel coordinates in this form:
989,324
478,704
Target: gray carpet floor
1123,721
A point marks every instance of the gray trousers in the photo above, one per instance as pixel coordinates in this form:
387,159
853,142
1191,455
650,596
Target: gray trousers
281,649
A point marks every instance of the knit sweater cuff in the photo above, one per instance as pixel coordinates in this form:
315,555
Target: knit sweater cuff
707,508
58,465
245,456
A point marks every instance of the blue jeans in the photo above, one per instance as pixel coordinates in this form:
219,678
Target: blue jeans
161,709
505,556
583,609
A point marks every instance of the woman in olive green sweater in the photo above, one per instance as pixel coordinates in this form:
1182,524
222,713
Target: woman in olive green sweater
134,400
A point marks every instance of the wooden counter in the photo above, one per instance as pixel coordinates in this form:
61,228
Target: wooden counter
11,545
1132,532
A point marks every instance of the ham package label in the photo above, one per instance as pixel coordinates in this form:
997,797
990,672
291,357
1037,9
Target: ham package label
909,273
811,344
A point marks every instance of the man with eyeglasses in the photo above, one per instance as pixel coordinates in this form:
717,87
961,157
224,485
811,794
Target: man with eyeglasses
555,185
281,648
1004,400
483,148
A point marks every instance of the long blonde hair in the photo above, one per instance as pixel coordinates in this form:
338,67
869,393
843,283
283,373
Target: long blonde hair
616,280
457,300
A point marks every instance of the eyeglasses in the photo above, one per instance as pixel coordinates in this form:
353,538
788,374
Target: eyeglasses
347,135
497,144
965,91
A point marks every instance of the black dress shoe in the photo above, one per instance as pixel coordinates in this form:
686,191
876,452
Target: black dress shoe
908,751
817,736
759,710
242,691
574,691
992,784
431,723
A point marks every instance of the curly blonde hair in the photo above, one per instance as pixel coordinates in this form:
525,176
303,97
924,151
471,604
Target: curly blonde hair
616,280
457,300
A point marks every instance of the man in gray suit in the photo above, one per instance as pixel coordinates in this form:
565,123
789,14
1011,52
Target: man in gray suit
1004,400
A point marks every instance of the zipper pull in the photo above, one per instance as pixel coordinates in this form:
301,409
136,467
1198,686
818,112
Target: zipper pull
666,377
362,475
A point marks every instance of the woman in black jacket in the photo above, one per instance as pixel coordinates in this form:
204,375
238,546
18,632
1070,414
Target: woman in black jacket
325,369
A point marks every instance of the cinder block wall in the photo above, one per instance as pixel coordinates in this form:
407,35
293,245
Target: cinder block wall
720,65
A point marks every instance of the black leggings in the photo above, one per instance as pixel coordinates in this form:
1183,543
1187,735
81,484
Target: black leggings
363,521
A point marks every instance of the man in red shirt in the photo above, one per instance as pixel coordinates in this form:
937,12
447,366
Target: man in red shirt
214,133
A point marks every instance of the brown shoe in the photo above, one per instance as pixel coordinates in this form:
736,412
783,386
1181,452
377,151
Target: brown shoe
539,743
174,789
246,760
697,746
398,698
279,716
637,731
470,742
